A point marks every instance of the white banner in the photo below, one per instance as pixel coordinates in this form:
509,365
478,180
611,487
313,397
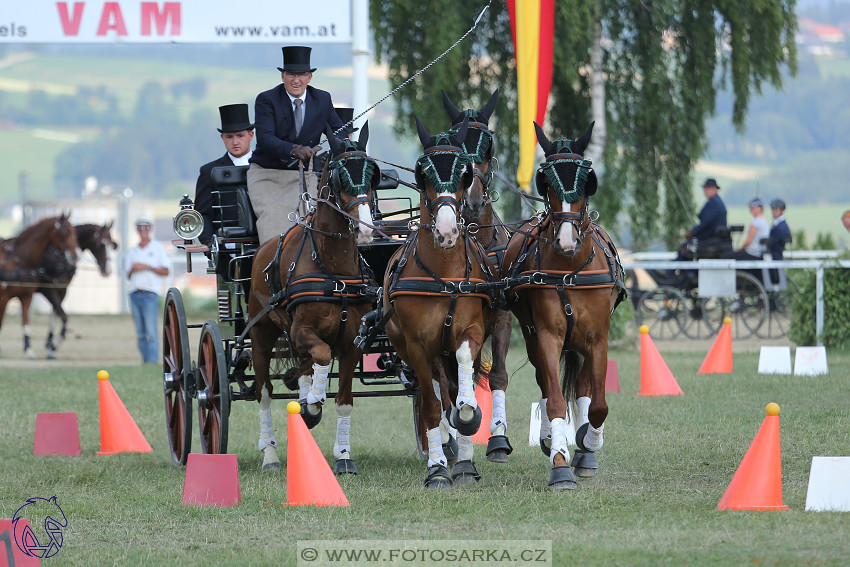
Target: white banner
185,21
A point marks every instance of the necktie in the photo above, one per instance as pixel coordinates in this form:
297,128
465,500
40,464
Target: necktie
299,115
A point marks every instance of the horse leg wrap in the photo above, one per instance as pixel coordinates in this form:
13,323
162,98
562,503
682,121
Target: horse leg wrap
559,439
499,423
465,383
464,448
545,424
342,445
435,448
267,438
318,389
593,439
582,404
304,387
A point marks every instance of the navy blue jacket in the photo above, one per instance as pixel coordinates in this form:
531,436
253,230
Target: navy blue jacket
780,235
274,124
712,216
203,195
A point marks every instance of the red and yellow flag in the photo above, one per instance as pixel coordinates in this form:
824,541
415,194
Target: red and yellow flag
533,30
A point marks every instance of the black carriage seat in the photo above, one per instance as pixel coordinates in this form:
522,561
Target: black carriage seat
234,217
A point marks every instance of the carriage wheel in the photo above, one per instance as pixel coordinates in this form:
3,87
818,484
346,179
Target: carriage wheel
779,316
213,391
663,310
178,381
748,308
703,316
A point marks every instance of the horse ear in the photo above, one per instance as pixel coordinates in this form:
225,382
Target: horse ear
363,138
489,108
581,144
424,137
460,137
335,144
452,110
543,140
109,224
591,184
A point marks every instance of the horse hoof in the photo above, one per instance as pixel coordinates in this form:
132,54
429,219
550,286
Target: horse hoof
585,463
498,449
465,473
51,356
546,446
466,427
438,477
310,420
344,466
450,450
562,478
270,467
581,432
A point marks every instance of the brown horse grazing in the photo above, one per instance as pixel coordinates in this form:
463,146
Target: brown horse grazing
437,289
565,279
21,256
480,218
310,283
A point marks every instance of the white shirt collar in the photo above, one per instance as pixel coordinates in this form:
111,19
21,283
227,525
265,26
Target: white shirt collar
240,160
303,98
778,219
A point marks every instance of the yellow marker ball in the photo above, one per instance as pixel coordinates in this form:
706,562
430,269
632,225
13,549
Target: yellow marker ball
293,407
727,320
102,375
644,330
772,408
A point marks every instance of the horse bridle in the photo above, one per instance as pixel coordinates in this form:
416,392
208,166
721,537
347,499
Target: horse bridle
580,220
334,185
443,188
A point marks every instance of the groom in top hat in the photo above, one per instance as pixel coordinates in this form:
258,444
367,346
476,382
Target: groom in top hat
290,120
237,132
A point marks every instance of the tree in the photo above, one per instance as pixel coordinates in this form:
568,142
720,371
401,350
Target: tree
663,64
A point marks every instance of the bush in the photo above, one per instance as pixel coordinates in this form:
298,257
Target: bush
836,321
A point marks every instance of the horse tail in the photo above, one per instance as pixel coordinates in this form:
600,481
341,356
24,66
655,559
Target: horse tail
571,363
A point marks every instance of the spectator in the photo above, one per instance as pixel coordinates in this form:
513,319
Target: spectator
146,266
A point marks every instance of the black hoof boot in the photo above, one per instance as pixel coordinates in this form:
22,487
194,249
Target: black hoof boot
562,478
585,463
581,432
450,450
465,427
498,449
344,466
546,446
311,420
438,477
270,467
464,472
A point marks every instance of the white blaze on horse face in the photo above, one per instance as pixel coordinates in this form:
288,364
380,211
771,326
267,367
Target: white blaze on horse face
364,231
567,236
445,226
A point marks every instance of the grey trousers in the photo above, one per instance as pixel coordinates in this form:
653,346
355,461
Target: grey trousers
274,193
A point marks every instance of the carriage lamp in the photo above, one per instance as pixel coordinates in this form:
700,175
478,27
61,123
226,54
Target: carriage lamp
188,223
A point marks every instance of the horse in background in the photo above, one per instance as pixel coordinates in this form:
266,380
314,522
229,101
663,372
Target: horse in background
310,282
477,211
438,297
564,281
21,256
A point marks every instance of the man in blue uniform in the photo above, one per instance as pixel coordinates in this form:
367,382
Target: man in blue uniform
780,234
712,216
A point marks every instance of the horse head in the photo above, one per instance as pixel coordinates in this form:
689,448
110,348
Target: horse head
443,172
63,236
352,180
478,143
101,242
566,180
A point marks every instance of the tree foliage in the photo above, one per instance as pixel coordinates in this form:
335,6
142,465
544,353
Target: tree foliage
664,63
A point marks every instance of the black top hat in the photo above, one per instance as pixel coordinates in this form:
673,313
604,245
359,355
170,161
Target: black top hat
711,182
296,59
234,118
346,114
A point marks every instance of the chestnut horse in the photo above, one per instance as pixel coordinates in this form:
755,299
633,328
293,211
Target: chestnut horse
309,283
436,289
21,257
481,220
564,279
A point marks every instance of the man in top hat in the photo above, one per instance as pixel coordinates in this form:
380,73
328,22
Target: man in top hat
290,120
237,132
712,215
346,114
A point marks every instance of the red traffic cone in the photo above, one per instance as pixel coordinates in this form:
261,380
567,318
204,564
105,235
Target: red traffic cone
757,484
20,530
484,398
719,357
655,377
211,480
309,479
118,432
612,378
56,434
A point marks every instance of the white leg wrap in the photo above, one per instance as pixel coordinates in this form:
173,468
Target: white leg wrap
499,423
464,448
559,439
437,392
267,437
466,385
545,424
318,389
304,386
593,439
435,448
582,404
342,445
446,430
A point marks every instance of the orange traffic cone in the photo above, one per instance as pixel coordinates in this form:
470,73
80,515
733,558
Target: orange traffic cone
485,401
655,377
757,484
309,478
118,432
719,357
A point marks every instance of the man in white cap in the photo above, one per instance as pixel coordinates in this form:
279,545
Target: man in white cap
146,266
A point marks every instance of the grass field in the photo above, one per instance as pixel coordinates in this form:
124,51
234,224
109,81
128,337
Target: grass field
665,465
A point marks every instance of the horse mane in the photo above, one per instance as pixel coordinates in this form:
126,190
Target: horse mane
32,240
